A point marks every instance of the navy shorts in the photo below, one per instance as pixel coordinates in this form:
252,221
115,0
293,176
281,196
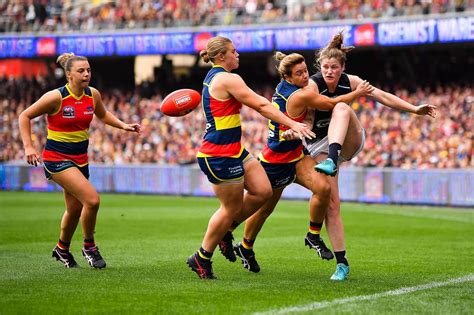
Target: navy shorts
224,169
51,168
280,175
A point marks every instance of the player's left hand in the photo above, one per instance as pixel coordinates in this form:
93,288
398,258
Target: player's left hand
290,135
302,130
426,109
133,127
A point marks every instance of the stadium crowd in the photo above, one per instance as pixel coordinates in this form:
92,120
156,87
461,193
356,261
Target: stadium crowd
393,138
64,16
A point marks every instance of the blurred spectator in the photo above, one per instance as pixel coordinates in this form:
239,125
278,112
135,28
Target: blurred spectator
394,139
64,16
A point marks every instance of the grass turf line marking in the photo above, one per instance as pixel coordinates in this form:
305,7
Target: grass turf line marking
325,304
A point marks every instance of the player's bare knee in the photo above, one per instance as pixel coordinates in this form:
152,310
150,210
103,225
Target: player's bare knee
322,188
263,192
341,109
266,192
93,202
325,189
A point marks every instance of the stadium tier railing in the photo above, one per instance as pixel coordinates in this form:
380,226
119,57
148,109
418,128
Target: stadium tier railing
447,187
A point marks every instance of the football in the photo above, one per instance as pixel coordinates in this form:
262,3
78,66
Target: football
180,102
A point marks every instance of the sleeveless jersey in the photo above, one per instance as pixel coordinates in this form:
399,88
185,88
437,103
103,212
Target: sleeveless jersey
68,128
223,128
278,150
321,117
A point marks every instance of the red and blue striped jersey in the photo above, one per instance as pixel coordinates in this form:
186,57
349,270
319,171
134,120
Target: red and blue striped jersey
278,150
68,128
223,129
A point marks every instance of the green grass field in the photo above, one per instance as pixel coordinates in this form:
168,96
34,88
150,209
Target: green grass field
425,254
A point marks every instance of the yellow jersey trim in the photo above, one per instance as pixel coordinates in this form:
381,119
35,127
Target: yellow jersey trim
71,136
227,122
72,94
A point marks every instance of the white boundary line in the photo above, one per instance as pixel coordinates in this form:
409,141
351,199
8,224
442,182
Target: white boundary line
325,304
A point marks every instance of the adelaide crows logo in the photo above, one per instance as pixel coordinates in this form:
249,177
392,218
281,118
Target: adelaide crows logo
68,112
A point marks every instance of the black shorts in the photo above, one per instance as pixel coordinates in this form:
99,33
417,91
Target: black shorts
51,168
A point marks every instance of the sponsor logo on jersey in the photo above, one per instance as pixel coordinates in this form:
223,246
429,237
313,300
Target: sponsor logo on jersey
284,181
89,110
61,164
182,100
235,169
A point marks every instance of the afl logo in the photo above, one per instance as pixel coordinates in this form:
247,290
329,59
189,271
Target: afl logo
68,112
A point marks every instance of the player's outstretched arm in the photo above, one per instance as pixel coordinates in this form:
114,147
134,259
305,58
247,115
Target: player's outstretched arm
241,92
395,102
108,118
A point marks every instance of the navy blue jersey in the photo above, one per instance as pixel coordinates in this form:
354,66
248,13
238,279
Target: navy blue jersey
323,117
277,149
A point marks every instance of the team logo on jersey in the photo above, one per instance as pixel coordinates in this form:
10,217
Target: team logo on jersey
89,110
68,112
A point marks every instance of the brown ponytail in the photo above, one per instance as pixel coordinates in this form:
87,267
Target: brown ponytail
335,49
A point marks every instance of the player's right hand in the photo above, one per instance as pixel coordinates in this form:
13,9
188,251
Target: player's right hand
365,88
32,157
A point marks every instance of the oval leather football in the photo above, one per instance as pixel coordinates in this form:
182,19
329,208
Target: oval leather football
180,102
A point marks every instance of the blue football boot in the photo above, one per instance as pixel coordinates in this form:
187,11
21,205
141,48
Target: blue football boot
341,273
326,167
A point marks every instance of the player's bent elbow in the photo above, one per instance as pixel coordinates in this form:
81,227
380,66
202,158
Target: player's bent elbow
23,117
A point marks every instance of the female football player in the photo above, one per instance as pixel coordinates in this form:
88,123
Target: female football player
222,157
339,134
69,111
284,161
